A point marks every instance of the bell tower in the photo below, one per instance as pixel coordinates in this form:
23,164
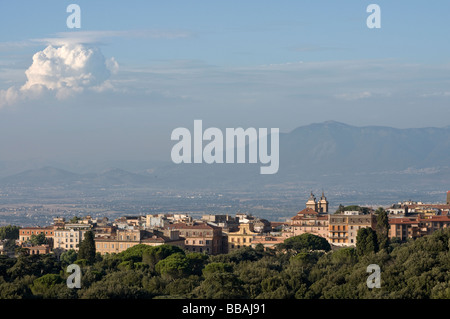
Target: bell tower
311,203
323,204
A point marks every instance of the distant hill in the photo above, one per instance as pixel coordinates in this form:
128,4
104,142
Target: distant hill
42,176
329,153
333,147
50,176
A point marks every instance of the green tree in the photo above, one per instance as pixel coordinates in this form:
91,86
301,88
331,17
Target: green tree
152,255
42,285
197,262
9,232
87,248
220,286
74,220
382,228
123,284
68,257
174,266
306,242
37,240
217,267
366,241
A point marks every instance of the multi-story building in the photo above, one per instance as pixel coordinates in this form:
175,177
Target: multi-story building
415,227
313,219
123,239
243,237
156,221
67,239
343,228
435,223
201,237
26,233
404,228
70,236
226,222
165,236
309,221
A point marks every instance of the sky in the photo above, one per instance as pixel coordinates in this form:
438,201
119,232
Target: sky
116,87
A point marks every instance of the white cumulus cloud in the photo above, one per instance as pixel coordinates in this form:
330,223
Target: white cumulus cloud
63,71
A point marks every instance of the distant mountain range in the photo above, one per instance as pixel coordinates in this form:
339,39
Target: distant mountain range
325,153
48,176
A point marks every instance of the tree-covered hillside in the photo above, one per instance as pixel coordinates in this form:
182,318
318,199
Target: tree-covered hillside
303,267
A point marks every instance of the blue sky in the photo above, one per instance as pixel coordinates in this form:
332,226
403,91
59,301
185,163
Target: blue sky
230,63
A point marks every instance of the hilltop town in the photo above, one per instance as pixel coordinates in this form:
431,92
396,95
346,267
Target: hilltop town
221,234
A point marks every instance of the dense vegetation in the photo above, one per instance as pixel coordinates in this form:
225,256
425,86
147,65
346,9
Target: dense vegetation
302,267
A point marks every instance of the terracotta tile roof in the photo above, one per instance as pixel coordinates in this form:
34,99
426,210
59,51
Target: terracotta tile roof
275,224
403,221
191,226
306,211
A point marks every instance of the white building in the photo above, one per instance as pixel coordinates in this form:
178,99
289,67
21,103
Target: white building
70,237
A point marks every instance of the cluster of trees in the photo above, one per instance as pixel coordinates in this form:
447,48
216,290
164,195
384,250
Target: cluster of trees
303,267
8,236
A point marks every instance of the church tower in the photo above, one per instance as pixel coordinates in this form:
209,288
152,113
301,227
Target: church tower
323,204
311,203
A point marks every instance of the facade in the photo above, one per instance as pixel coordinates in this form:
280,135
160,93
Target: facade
415,227
201,237
226,222
313,219
243,237
37,250
404,228
435,223
69,238
123,239
343,228
118,242
26,233
397,209
268,242
309,221
156,221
